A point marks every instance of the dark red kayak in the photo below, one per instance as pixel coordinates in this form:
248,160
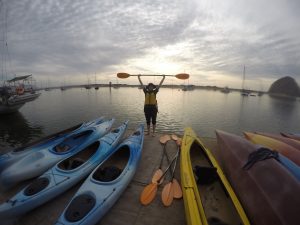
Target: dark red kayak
292,136
267,191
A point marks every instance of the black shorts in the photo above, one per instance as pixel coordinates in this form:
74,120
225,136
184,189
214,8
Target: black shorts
150,113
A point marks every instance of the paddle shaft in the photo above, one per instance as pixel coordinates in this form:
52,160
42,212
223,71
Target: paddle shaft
173,160
173,172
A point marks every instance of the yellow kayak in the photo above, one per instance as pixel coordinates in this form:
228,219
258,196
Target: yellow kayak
210,199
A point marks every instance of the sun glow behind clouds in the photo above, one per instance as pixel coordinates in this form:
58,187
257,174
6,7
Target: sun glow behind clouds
163,60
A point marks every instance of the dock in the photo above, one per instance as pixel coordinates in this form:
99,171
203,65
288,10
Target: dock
128,209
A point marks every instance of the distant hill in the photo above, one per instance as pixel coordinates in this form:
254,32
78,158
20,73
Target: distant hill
285,86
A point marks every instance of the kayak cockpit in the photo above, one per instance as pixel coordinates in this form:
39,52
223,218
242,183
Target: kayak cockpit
71,142
217,204
46,139
112,168
36,186
79,158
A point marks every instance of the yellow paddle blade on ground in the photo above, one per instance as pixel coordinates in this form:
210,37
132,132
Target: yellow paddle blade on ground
178,142
174,137
164,139
177,189
167,194
158,175
148,193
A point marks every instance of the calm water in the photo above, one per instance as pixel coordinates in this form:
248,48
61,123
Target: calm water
204,110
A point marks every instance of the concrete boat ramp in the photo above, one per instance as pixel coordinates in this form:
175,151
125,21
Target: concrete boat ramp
128,209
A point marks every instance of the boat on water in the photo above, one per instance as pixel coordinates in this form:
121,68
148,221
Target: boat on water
208,196
225,90
16,92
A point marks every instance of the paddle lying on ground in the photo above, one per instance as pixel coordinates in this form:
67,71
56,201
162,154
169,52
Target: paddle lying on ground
158,173
172,189
181,76
150,190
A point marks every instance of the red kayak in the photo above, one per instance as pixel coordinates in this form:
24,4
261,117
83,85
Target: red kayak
292,136
289,141
268,192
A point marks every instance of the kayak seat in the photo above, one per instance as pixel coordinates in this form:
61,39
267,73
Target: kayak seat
205,175
107,174
137,133
71,164
76,163
62,148
79,207
36,186
215,221
116,131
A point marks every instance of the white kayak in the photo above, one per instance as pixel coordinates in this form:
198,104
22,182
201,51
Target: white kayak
105,184
36,163
7,159
62,176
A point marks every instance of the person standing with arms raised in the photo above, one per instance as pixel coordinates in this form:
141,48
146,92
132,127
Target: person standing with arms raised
150,105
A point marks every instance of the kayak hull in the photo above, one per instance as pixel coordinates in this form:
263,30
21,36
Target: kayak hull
102,195
15,155
294,143
197,209
267,190
60,178
36,163
276,145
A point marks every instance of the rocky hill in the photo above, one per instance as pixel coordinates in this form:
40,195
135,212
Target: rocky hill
285,86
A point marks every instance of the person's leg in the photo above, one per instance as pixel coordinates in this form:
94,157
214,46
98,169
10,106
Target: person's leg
154,121
148,116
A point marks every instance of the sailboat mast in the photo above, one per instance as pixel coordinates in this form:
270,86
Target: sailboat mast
244,75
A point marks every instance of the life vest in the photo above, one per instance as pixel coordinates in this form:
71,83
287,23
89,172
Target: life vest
150,98
20,90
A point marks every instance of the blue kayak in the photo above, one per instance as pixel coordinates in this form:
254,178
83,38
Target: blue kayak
36,163
290,166
62,176
105,184
14,155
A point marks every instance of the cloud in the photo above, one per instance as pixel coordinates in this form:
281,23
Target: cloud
211,39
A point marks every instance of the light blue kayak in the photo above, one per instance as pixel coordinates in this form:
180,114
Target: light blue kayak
15,155
36,163
62,176
105,184
290,166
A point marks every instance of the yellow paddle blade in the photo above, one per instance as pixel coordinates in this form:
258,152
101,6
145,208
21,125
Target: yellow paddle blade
174,137
177,189
148,194
167,194
178,142
182,76
123,75
163,139
157,175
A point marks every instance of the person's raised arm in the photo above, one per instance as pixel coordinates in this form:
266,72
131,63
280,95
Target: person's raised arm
161,82
141,83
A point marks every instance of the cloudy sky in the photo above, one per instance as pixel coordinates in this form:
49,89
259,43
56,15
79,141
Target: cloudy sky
212,40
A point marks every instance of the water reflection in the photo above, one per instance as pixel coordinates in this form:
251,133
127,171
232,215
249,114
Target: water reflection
15,130
204,110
